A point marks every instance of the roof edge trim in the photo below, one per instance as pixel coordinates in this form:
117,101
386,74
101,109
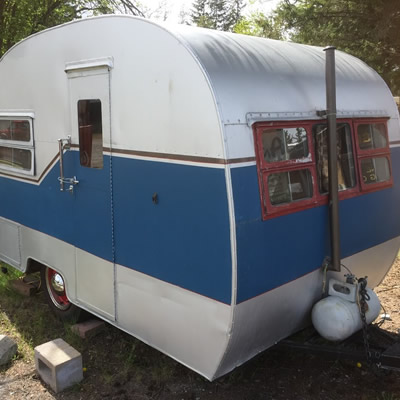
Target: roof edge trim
253,117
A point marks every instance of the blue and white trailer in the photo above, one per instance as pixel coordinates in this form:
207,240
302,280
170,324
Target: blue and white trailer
172,180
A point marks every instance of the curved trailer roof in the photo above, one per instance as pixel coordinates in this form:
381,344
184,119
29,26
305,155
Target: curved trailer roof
250,79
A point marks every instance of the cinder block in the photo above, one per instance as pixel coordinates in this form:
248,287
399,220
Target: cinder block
26,289
58,364
8,349
88,328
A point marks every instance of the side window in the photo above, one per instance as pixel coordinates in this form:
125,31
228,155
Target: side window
285,167
16,145
345,161
293,172
373,155
90,133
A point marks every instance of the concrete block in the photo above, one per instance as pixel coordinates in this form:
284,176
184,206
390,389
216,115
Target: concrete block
58,364
88,328
26,289
8,349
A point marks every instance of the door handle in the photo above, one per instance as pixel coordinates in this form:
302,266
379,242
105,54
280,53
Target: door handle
65,144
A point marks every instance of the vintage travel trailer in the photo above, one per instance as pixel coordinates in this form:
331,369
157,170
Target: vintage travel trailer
173,180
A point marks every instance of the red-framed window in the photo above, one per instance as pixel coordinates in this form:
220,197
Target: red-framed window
292,162
374,164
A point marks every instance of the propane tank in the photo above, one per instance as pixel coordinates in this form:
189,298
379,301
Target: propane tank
337,316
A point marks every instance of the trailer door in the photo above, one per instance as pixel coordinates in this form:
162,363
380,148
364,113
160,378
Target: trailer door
89,93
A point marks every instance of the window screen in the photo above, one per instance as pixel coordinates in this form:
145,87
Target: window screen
345,157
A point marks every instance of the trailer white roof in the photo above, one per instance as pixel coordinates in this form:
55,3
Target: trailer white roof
251,74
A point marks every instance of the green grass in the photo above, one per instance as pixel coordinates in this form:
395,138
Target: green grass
28,320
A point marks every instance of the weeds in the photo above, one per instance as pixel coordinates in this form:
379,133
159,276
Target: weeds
388,396
24,318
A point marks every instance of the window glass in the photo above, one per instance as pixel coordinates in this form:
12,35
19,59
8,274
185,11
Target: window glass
345,161
16,158
284,144
371,136
375,170
286,187
15,130
90,133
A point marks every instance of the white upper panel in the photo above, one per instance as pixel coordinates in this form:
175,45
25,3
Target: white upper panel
161,101
179,90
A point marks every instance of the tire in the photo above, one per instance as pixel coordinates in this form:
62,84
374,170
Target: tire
53,285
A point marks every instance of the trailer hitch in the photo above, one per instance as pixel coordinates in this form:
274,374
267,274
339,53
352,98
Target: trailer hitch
65,144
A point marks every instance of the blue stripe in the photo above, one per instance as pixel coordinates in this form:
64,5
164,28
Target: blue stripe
276,251
183,240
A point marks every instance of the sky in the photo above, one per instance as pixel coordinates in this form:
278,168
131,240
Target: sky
175,6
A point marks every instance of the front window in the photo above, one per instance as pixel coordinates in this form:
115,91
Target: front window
16,145
15,130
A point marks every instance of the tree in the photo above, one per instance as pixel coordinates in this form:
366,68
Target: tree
221,15
368,29
200,14
184,16
235,15
21,18
259,24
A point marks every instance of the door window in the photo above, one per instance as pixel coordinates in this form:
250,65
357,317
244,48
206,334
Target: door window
90,133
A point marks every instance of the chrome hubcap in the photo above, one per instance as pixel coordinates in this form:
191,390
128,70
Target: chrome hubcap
56,289
58,283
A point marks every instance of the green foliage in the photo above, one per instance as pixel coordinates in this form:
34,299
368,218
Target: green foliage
259,24
368,29
21,18
221,15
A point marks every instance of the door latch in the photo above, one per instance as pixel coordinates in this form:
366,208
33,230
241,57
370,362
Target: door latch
65,144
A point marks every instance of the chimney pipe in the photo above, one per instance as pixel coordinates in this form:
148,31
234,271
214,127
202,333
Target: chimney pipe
332,158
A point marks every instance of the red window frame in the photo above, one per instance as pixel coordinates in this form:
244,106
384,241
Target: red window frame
383,152
265,169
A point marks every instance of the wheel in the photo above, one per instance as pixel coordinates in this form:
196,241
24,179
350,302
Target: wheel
53,285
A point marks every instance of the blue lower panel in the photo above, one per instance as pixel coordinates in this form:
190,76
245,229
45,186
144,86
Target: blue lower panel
184,239
276,251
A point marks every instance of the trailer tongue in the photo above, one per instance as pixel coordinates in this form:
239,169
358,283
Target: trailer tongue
384,347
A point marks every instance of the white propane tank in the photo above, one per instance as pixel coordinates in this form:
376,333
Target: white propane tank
337,316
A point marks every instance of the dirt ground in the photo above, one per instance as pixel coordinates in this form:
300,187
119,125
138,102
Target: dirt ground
119,367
